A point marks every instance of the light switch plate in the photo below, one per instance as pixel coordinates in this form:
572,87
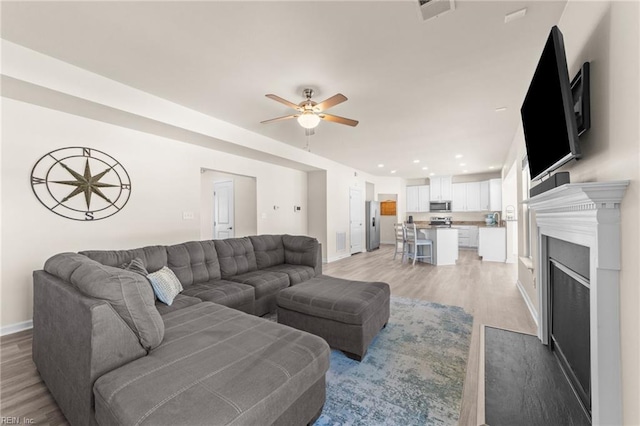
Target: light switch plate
187,215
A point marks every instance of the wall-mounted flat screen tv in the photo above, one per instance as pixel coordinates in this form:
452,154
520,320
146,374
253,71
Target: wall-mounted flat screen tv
548,118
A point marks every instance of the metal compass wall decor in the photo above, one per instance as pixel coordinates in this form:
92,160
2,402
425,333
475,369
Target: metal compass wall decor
81,183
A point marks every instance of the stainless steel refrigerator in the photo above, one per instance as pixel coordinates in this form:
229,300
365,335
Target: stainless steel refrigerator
373,225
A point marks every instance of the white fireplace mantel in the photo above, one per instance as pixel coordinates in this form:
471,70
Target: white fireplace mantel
588,214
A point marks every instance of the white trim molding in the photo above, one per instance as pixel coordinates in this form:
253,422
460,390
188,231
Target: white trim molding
15,328
588,214
528,302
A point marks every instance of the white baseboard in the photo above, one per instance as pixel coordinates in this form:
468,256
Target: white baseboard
340,256
527,301
15,328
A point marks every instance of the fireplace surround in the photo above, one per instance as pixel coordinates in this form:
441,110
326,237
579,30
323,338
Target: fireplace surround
588,214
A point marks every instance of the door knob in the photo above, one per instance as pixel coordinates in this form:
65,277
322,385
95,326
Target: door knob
230,227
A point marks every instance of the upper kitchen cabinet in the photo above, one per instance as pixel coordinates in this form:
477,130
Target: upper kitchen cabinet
440,188
477,196
484,196
418,199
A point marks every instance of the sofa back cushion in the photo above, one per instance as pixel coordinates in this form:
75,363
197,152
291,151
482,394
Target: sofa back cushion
153,257
129,293
300,250
236,256
269,250
194,262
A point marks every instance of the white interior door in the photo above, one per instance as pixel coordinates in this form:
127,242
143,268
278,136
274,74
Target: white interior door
223,210
356,219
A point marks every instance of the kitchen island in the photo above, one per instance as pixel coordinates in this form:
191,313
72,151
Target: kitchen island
445,243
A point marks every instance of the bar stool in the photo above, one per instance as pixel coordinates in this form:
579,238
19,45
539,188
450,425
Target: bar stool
401,240
414,242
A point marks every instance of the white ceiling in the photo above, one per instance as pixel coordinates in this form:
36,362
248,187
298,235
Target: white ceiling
422,90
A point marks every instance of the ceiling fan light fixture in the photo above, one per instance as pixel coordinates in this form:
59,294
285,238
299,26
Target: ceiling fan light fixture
308,120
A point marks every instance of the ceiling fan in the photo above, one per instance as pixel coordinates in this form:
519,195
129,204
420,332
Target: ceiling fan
310,113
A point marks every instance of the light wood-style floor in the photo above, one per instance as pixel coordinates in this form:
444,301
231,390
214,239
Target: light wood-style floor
484,289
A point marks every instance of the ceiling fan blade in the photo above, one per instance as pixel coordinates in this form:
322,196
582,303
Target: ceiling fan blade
286,117
328,103
284,101
337,119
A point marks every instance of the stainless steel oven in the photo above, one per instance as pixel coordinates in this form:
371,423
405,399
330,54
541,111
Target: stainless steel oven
440,206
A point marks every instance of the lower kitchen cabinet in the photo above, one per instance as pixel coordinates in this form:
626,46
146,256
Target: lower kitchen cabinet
467,236
492,244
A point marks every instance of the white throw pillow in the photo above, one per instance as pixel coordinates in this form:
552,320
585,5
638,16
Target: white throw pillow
165,285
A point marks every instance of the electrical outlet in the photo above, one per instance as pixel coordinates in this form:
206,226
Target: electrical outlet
187,216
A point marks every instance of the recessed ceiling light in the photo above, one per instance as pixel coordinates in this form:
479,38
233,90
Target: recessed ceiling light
458,155
465,171
501,109
425,168
463,164
431,174
491,167
393,171
518,14
380,165
416,161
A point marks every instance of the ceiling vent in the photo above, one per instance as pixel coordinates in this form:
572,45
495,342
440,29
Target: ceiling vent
434,8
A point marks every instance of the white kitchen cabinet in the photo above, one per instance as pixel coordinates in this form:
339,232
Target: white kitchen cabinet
418,199
423,198
440,188
466,197
412,199
473,236
484,195
473,196
492,244
495,194
467,236
459,197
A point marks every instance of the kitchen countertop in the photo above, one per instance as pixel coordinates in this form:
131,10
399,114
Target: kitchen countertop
479,224
425,224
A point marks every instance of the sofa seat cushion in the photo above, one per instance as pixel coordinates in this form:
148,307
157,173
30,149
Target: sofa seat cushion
296,273
264,282
215,366
345,301
180,302
227,293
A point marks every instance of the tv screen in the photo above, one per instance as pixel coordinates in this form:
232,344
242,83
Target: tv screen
548,119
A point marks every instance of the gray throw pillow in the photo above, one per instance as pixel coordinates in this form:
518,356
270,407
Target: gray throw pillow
129,293
137,266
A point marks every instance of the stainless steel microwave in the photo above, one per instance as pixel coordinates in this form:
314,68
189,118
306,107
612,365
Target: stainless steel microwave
440,206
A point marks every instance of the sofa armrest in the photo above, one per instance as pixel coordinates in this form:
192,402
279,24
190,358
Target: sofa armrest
76,339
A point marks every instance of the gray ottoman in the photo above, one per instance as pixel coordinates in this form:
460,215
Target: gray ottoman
347,314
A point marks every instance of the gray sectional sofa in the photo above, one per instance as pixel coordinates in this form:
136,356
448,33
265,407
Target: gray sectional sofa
112,355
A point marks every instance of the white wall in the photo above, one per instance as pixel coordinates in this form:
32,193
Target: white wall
162,189
607,35
387,231
245,210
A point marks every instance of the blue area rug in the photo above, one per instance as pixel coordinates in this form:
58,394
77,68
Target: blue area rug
413,372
